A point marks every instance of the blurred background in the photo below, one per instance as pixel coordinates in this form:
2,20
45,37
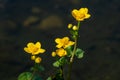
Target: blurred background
23,21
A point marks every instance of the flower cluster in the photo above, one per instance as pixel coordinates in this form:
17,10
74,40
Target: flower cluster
65,52
62,43
34,50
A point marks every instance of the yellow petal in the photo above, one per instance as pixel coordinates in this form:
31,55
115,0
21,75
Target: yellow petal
69,44
86,10
29,45
59,45
41,50
83,10
38,44
87,15
57,40
66,38
74,13
27,50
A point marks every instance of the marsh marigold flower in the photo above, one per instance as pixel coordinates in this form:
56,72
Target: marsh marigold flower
34,49
61,52
64,42
80,14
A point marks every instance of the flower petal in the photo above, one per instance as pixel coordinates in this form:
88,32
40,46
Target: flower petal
66,38
41,50
29,45
74,13
38,44
87,15
57,40
27,50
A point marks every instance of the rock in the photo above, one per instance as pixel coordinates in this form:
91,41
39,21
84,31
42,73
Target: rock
51,22
30,20
35,10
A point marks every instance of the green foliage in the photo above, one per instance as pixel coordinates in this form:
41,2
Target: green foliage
69,51
58,76
56,64
79,53
60,62
37,67
28,76
49,78
74,34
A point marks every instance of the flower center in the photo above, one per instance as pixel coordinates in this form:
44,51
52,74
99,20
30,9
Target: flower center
35,49
81,16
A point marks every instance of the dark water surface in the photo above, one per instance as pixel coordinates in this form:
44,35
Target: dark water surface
23,21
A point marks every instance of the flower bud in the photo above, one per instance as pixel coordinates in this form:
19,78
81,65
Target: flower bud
33,57
70,26
38,60
53,54
75,28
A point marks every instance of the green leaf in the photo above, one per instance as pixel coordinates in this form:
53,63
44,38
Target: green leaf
58,76
69,51
40,68
25,76
79,53
28,76
56,64
37,77
49,78
72,32
62,61
37,67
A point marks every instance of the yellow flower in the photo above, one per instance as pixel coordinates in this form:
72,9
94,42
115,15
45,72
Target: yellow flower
34,49
70,26
38,60
64,42
61,52
80,14
53,54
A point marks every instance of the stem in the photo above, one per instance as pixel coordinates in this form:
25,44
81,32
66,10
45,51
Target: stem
71,61
34,71
61,72
33,74
73,53
75,46
69,71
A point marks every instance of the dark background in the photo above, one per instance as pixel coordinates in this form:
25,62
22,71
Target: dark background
23,21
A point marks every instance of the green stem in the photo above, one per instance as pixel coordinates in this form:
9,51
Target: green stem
71,61
61,72
75,46
33,74
34,71
78,25
73,53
